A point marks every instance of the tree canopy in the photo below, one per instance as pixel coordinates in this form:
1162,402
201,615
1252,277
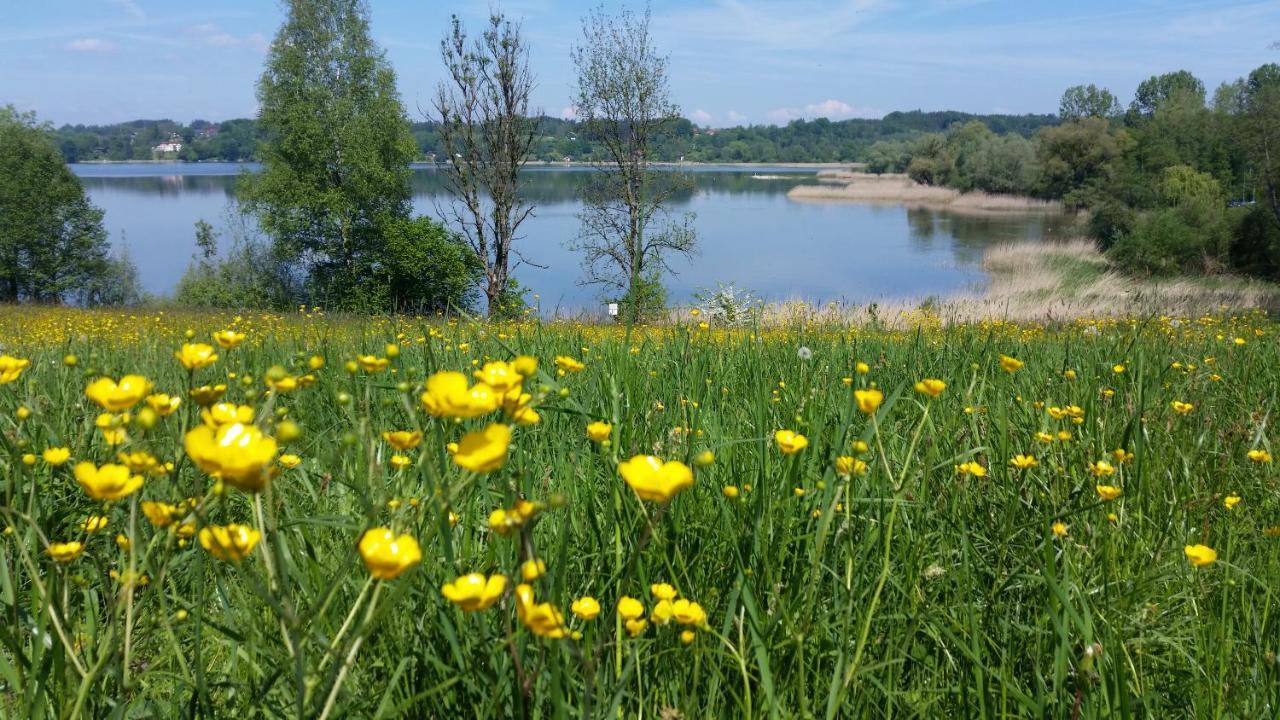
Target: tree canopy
53,247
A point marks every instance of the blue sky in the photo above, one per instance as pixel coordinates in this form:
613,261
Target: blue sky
732,61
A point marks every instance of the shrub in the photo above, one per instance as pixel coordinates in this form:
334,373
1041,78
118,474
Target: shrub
425,268
1255,242
1190,239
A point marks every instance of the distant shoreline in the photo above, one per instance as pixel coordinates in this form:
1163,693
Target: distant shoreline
897,189
535,163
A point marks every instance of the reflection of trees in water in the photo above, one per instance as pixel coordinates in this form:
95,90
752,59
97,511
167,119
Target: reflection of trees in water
970,234
165,185
543,186
560,185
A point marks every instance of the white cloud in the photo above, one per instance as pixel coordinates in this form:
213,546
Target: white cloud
569,112
131,7
736,117
831,109
222,40
90,45
700,117
215,36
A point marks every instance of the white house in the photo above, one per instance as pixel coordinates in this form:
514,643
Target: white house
168,147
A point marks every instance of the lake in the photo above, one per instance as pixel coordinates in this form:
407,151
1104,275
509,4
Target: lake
749,233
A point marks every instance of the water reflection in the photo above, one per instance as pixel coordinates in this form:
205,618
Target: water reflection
750,233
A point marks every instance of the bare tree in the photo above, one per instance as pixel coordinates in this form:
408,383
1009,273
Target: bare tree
623,102
487,132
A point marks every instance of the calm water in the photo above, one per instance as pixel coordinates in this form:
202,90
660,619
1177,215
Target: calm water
749,233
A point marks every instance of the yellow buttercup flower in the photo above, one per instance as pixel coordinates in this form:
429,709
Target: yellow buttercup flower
65,552
162,514
1260,456
163,405
206,395
566,363
868,400
862,368
630,608
1010,364
790,442
289,461
228,339
848,466
972,467
525,365
11,368
543,619
1023,462
194,356
229,543
931,387
56,455
501,376
653,479
1059,529
599,431
636,627
1231,501
1108,492
112,427
109,482
484,450
531,570
1101,468
706,458
403,439
1200,555
475,591
519,407
226,414
236,454
94,523
140,461
387,555
586,608
687,612
448,395
1182,408
662,613
400,462
372,363
115,396
663,591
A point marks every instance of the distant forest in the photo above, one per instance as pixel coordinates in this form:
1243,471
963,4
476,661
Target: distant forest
818,140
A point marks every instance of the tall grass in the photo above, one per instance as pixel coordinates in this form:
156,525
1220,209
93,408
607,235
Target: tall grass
911,590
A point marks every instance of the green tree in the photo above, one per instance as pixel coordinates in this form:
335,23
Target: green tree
624,103
1260,131
53,247
335,159
487,137
1082,101
247,277
1078,159
1155,90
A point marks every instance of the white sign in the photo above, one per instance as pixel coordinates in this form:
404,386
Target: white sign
613,309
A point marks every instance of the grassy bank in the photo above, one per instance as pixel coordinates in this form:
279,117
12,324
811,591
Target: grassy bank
901,190
1009,541
1048,283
